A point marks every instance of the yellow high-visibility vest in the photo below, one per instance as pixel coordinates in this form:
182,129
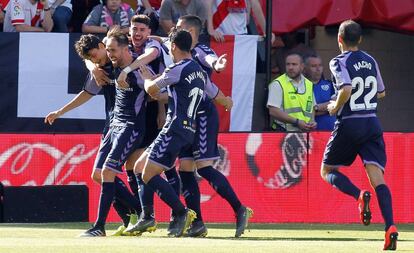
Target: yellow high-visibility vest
299,106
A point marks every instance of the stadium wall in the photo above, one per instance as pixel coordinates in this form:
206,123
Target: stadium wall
274,173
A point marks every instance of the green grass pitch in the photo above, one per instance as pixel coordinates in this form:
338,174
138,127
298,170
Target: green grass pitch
300,238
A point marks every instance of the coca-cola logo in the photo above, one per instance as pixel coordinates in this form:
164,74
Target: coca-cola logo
294,148
19,158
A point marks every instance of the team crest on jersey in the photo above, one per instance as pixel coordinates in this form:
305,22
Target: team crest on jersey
17,8
325,87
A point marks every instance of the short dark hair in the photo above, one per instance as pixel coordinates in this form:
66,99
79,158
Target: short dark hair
182,39
193,21
86,43
307,57
350,32
143,19
117,34
295,53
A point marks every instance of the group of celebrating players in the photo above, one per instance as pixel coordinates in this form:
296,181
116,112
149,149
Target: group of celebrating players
132,74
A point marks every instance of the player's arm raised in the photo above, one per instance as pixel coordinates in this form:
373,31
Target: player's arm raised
148,56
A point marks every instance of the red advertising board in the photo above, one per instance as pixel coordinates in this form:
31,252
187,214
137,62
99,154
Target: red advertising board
276,174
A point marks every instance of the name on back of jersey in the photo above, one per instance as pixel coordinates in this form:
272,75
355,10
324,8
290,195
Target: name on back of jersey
194,75
362,65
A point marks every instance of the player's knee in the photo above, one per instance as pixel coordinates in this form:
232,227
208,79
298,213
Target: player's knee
108,175
138,166
186,165
96,176
146,177
375,175
203,164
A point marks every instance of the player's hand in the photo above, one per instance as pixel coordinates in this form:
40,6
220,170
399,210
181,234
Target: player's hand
331,107
121,81
145,73
50,118
228,103
100,76
221,63
218,36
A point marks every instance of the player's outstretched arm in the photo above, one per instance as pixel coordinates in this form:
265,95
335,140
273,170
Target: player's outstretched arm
381,94
223,100
79,100
148,56
157,38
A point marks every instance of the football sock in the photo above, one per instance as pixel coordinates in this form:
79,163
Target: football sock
123,194
122,211
221,185
146,196
132,181
173,179
342,183
191,192
167,194
105,201
385,204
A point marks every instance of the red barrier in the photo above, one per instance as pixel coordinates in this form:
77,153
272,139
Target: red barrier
272,173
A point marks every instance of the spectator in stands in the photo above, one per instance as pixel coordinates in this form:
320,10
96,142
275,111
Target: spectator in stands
323,91
291,98
172,10
106,15
81,9
28,16
145,7
61,11
231,17
156,4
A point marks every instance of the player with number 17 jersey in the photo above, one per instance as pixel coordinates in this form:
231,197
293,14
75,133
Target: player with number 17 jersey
185,82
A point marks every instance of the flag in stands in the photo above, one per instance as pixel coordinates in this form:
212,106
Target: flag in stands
237,80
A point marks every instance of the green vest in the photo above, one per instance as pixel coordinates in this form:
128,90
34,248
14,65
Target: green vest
299,106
